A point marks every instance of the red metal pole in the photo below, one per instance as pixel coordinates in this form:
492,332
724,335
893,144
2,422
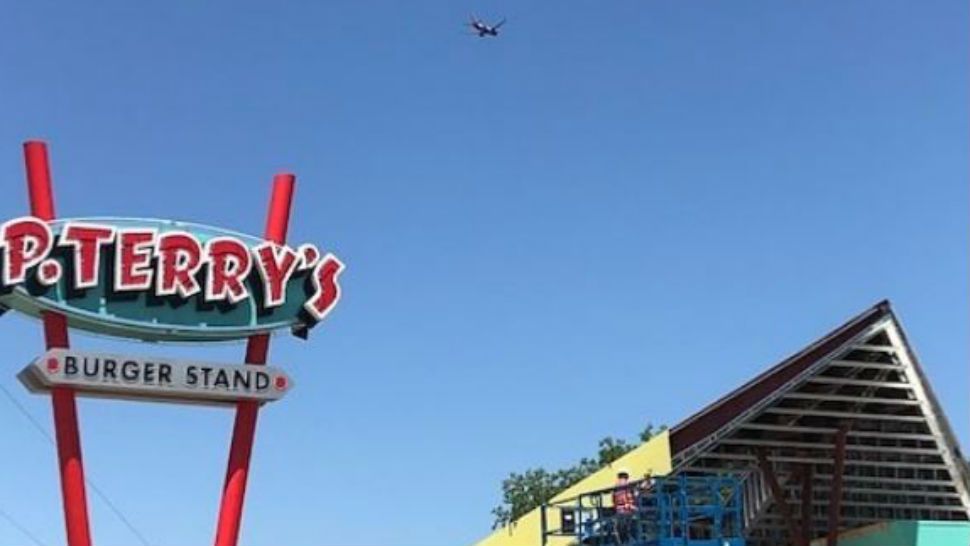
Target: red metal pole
257,349
55,336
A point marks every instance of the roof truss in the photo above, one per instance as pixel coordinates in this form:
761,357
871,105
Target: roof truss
901,457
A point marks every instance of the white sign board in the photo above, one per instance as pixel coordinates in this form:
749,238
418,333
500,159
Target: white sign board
153,378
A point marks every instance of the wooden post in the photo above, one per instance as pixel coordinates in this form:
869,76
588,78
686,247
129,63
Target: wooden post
807,477
835,503
779,495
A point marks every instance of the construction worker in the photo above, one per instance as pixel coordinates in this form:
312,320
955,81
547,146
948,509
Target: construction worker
624,502
647,483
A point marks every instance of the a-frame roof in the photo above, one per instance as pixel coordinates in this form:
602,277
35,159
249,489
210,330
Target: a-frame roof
902,460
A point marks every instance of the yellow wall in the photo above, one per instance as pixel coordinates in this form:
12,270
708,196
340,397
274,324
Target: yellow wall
653,457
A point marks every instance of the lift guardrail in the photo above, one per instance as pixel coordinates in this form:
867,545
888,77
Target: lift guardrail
670,511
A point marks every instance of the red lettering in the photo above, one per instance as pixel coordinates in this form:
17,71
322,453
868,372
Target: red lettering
229,264
326,287
179,259
133,260
49,272
86,241
276,264
309,255
26,242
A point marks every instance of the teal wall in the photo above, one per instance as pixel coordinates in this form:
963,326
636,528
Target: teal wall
893,533
943,533
909,533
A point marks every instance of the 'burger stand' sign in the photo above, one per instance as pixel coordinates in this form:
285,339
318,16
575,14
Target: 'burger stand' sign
158,379
158,281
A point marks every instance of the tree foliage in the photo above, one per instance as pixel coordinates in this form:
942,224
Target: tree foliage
522,492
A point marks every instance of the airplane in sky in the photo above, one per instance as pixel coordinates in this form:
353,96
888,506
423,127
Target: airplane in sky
484,29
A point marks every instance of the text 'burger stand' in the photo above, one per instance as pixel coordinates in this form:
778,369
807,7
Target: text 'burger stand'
158,281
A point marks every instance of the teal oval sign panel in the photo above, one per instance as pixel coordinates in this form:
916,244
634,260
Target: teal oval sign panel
161,280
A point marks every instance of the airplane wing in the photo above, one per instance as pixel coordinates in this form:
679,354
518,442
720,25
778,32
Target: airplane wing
500,23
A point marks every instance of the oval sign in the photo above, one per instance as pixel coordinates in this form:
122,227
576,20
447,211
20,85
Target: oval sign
161,280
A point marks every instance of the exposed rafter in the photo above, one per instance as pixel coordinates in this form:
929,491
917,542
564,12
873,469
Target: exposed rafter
901,460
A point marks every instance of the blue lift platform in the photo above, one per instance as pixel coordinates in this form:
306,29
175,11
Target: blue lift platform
678,510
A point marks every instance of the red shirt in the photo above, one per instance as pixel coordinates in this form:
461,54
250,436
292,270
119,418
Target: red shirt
623,500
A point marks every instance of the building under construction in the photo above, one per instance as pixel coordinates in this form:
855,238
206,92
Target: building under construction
843,436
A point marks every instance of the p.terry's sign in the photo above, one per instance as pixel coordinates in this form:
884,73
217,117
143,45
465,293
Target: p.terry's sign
158,280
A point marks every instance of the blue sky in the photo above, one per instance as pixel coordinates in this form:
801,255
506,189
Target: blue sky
610,215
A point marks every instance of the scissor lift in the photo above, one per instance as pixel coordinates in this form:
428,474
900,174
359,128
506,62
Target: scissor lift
671,511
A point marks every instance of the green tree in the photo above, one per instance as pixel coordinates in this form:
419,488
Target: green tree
650,432
522,492
612,449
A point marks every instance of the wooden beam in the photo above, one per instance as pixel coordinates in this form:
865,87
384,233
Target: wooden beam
825,459
828,445
799,412
835,503
778,494
827,380
808,474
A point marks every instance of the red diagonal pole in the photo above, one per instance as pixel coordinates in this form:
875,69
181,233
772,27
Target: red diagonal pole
55,336
257,348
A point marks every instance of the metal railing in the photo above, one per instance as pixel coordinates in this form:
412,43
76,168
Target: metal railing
669,511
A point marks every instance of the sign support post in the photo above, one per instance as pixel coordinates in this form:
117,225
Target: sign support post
132,278
55,336
257,350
